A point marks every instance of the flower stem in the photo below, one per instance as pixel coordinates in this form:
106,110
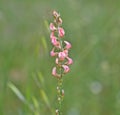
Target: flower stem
59,96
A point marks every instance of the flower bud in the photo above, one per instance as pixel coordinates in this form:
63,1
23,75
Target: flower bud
57,88
57,112
57,61
63,93
59,98
59,21
55,14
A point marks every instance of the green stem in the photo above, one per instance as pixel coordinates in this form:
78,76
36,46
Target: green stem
59,95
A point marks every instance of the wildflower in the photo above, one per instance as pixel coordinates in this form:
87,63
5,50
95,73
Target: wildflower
52,27
52,53
61,32
66,68
51,35
54,41
68,45
69,61
61,55
66,52
54,73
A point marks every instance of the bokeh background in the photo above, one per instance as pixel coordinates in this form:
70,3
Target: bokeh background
92,26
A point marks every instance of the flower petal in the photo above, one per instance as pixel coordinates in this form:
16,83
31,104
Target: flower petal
52,27
66,68
68,45
61,32
54,73
69,61
61,56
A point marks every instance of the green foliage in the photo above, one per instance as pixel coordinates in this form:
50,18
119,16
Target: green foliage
35,105
17,92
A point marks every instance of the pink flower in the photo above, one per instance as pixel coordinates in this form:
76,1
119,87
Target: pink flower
68,45
52,53
51,35
52,27
66,52
54,41
66,68
61,32
54,73
70,61
61,56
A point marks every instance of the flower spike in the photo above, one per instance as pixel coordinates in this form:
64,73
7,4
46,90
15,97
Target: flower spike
61,52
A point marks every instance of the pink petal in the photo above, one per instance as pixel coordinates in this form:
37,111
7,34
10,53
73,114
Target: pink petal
52,53
57,61
52,27
60,20
52,35
54,40
66,68
54,73
70,61
61,32
68,45
66,52
61,55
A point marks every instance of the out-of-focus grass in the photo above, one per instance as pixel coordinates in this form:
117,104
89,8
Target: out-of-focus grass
92,87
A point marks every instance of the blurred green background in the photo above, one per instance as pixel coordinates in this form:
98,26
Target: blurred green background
92,26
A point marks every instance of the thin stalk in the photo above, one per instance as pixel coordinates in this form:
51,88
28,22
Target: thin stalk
60,86
59,96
